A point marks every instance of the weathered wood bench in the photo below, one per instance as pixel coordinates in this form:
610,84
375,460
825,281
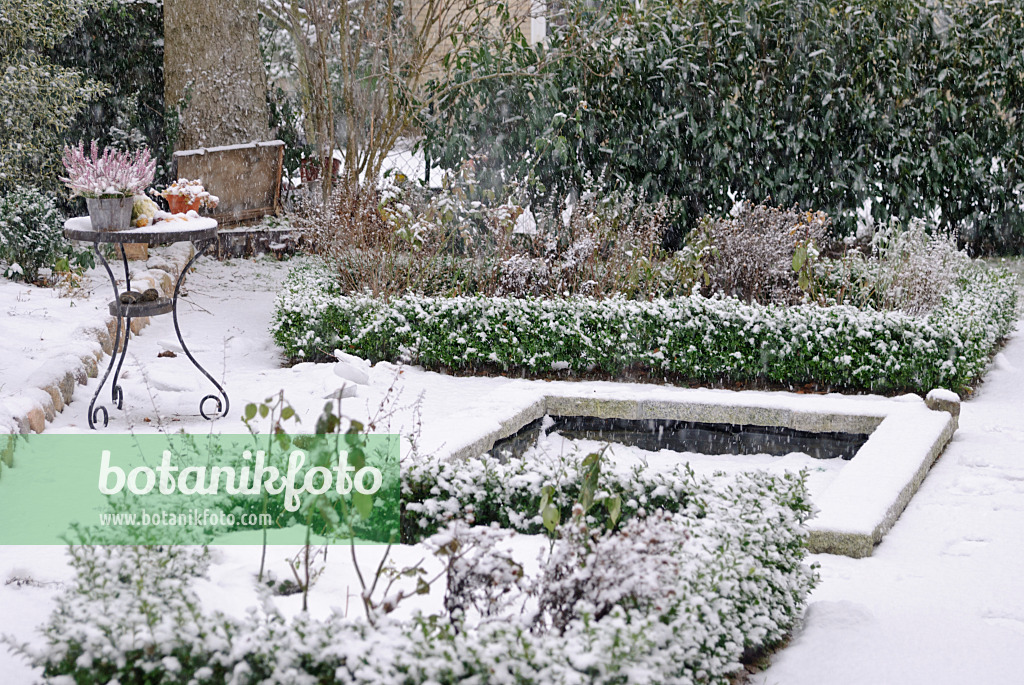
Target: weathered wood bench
246,178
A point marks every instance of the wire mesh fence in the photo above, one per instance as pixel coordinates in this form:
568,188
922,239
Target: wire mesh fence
404,163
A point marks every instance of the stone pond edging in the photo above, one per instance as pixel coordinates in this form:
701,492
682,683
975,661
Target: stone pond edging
907,434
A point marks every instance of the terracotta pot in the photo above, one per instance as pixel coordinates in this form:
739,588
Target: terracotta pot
110,213
179,204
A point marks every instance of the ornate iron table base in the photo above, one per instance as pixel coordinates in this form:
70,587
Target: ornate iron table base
204,236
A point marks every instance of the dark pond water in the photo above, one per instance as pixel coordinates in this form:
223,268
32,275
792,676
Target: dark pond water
688,436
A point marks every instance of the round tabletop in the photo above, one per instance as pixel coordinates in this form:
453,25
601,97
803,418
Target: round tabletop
160,233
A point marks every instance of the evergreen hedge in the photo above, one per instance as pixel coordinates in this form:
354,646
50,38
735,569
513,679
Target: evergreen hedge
708,339
914,104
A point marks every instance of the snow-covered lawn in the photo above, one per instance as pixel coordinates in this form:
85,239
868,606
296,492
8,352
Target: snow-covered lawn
939,602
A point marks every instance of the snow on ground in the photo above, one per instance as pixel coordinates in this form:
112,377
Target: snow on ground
38,324
940,602
942,599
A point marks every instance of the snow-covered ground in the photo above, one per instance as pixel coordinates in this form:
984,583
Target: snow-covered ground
38,324
940,601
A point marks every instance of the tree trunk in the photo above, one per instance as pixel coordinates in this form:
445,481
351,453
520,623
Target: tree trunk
214,73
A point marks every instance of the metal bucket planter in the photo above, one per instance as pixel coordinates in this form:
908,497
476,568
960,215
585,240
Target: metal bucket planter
110,213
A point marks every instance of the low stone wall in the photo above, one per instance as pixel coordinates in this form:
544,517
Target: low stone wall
52,386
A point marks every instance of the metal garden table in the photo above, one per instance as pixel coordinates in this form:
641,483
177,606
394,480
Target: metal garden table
201,232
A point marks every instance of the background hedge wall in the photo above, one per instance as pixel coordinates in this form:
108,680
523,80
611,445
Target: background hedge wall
917,102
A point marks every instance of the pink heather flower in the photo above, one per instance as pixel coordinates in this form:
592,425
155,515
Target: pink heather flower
114,174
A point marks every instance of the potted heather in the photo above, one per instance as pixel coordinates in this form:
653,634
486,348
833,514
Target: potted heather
185,196
108,182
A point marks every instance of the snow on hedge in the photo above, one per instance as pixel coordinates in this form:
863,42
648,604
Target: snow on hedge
710,339
673,595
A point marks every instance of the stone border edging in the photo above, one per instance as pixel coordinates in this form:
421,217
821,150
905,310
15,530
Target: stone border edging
868,495
52,386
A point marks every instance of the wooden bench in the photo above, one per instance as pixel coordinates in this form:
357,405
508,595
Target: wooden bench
246,178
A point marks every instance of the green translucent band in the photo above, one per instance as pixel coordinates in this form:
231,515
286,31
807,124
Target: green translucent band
200,489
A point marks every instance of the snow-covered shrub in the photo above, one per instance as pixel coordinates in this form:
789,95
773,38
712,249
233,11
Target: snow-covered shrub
461,240
31,234
708,339
603,245
728,578
677,596
657,572
508,493
521,275
909,270
591,572
379,244
750,255
129,616
612,246
479,576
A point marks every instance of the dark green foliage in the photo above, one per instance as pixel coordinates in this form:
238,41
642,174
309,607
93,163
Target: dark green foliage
804,101
38,98
120,44
285,120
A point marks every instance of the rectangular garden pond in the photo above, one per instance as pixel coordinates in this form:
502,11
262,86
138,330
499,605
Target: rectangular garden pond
887,445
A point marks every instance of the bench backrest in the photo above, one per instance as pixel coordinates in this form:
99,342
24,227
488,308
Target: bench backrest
246,178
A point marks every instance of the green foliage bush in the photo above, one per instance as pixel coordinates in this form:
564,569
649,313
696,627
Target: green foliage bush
912,103
120,44
39,100
708,339
32,236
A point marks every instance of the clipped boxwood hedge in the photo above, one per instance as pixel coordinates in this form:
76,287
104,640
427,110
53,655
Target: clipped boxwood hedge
707,339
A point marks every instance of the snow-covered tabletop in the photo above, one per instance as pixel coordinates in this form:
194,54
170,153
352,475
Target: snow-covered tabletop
162,232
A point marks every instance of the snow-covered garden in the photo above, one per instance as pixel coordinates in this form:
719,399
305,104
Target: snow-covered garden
658,372
955,539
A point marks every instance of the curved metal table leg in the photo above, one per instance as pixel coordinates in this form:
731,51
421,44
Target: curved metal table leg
116,393
222,407
116,353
